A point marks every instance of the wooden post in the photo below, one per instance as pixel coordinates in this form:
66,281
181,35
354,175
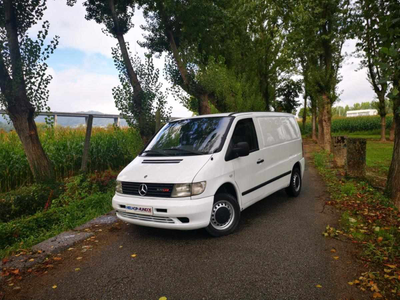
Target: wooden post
158,120
55,120
86,147
117,122
356,157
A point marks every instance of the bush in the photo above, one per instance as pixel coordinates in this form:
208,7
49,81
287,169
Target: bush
343,124
27,200
43,225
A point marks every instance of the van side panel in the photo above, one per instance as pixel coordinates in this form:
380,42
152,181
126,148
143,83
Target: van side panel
280,147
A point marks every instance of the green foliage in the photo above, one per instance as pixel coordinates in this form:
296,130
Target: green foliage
354,124
110,148
34,229
153,98
34,54
288,92
26,200
348,189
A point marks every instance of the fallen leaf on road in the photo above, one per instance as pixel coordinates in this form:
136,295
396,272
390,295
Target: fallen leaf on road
350,282
31,259
336,257
319,286
163,298
120,247
333,250
69,249
54,286
391,266
77,269
79,258
377,295
10,284
379,239
57,258
15,272
133,255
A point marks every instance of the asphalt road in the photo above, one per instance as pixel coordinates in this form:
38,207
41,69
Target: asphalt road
278,252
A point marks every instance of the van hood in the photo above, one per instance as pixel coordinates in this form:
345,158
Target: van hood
164,169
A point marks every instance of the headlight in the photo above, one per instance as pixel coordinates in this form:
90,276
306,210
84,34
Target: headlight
188,189
198,188
118,187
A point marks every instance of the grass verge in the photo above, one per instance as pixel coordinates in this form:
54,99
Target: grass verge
21,234
371,221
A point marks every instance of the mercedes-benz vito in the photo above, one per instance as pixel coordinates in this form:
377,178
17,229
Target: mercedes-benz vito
201,172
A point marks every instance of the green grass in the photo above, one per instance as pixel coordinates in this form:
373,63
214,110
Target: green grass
379,156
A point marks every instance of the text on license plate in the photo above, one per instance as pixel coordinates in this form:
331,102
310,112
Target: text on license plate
140,209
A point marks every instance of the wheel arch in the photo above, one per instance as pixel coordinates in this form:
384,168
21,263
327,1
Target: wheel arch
229,188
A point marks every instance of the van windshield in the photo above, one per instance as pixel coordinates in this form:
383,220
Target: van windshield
197,136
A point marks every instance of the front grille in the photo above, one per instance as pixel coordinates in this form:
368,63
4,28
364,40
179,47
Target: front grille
146,218
160,190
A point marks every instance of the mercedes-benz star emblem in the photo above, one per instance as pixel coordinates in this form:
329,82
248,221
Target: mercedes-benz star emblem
142,190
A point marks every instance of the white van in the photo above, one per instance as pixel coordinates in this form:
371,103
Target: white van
201,172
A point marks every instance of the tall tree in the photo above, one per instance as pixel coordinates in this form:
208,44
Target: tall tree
23,78
179,28
323,27
389,28
369,13
116,16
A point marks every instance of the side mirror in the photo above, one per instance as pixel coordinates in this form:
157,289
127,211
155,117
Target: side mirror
241,149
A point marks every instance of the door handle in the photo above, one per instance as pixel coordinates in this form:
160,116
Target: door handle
260,161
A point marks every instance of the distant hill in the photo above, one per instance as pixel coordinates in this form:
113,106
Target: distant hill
69,121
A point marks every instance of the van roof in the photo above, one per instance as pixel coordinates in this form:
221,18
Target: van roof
237,114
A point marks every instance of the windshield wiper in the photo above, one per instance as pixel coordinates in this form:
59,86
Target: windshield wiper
185,150
154,152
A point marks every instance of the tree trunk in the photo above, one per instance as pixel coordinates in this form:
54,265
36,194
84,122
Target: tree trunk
305,112
383,128
393,181
324,122
24,124
391,133
204,105
314,120
20,110
133,79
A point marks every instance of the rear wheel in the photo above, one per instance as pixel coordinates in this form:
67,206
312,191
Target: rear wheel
225,215
294,188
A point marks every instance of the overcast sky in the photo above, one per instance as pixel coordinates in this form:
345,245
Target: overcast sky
84,74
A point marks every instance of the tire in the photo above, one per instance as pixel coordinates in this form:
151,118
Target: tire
225,215
296,182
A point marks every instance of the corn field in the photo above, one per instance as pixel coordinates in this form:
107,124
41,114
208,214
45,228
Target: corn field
111,148
354,124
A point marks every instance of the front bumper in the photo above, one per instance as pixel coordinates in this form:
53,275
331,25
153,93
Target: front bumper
197,211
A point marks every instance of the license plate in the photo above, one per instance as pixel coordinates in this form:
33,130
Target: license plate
143,210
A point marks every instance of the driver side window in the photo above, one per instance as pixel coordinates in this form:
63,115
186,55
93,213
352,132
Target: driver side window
245,132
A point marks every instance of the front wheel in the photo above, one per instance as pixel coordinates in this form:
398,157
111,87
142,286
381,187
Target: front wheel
294,188
225,215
